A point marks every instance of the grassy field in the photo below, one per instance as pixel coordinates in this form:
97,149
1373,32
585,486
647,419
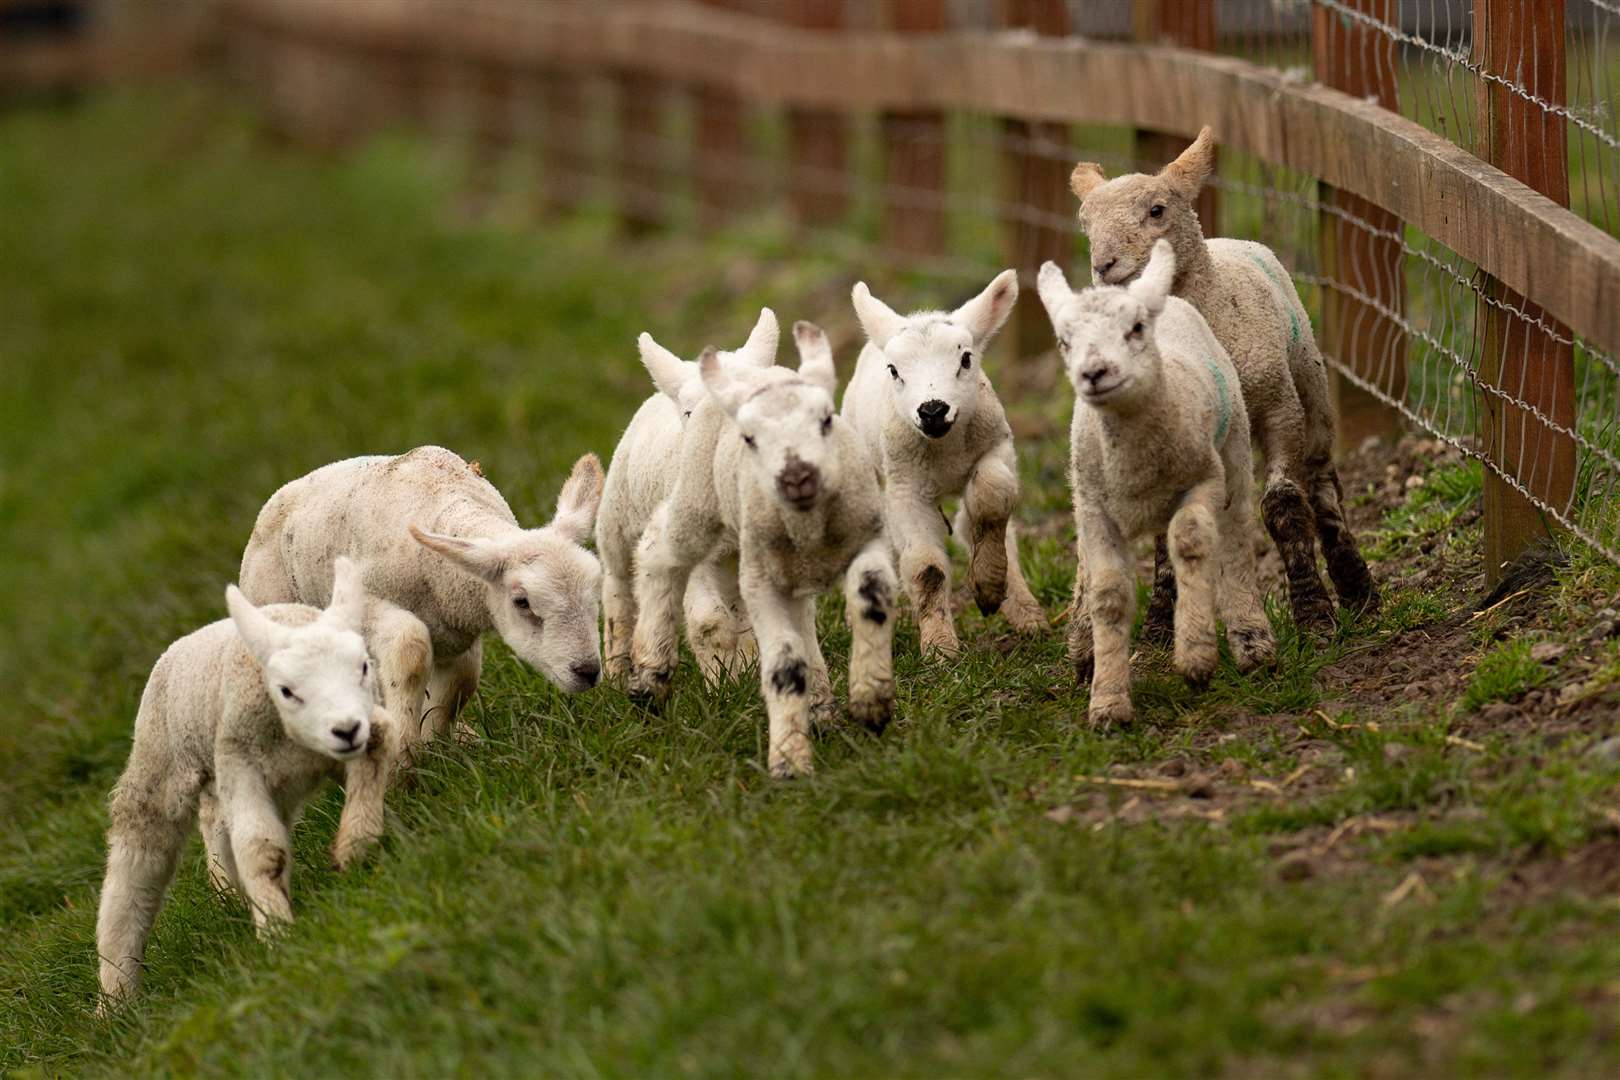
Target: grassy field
1396,854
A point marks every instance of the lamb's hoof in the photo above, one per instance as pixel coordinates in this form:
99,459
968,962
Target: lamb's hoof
1252,648
1314,615
345,853
1198,670
1084,666
1025,616
615,668
939,639
872,712
1109,712
466,734
989,597
824,712
650,686
1159,629
791,765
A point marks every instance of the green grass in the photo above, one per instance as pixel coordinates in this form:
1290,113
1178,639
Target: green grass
190,316
1504,673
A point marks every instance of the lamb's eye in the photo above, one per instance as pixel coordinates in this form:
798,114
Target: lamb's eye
826,424
1157,211
365,668
749,441
1136,331
521,603
687,415
967,360
893,374
286,692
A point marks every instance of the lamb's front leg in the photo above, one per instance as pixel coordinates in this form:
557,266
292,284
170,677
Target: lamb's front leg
784,675
989,499
618,622
1110,590
918,534
869,591
260,844
365,781
1194,549
714,628
403,651
664,562
823,702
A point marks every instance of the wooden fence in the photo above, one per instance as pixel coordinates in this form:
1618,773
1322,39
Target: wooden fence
1546,278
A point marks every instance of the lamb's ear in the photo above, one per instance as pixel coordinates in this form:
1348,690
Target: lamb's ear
481,558
669,372
1152,287
723,382
1087,177
581,495
1189,171
984,314
760,348
348,606
878,319
815,355
1054,289
263,636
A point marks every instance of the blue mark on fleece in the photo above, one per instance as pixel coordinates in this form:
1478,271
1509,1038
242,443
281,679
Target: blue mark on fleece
1293,316
1223,412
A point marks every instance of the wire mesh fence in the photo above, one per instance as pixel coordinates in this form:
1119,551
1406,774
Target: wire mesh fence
1416,334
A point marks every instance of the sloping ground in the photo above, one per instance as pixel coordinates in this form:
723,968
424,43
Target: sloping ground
1396,854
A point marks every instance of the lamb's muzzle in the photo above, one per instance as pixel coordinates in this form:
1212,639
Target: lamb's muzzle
799,483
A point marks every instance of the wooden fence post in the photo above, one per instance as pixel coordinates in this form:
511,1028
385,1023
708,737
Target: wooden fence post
719,149
1191,25
818,139
1528,356
1361,242
1037,189
914,153
643,205
564,155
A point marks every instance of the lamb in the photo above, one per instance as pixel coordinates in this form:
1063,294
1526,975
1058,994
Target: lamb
640,477
476,570
1160,442
1250,303
932,424
239,724
770,472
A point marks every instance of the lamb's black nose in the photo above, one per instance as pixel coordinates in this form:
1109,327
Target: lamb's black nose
931,417
799,482
587,672
347,734
1102,268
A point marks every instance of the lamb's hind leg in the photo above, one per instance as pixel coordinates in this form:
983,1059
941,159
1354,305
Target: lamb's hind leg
1194,553
1248,631
143,846
715,628
1346,568
216,843
403,650
918,534
869,591
1287,515
664,563
450,687
1159,625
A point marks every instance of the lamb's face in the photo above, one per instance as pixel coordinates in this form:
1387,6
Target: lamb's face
785,419
1123,218
933,358
545,607
321,684
1105,334
544,588
317,675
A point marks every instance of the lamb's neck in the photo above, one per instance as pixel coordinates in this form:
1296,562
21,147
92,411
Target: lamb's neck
1195,270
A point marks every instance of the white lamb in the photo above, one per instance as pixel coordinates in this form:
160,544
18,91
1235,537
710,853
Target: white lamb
1251,306
639,478
1159,444
770,472
931,422
437,542
239,723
